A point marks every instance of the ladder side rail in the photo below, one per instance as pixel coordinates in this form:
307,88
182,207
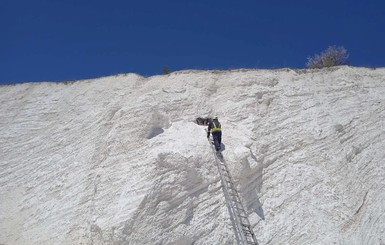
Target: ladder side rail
241,239
235,207
233,213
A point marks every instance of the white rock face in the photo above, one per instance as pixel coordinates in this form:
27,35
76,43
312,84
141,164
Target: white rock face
119,160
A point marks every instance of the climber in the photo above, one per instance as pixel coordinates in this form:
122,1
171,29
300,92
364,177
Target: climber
215,128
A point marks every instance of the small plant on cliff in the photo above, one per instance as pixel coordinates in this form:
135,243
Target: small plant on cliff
333,56
166,70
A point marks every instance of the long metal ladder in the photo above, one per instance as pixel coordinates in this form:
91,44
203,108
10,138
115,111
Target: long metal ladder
241,224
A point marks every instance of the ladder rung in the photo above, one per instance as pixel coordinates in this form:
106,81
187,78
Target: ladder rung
231,186
240,211
238,202
247,232
230,182
234,202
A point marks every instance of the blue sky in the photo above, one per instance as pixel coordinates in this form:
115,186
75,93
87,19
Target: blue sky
60,40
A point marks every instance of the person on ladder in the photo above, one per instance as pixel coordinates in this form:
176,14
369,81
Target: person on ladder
215,129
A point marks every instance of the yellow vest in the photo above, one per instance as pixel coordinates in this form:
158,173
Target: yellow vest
215,128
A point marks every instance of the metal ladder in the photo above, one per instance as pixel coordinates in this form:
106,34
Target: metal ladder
241,224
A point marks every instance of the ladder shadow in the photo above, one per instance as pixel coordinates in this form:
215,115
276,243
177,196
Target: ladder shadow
257,208
251,187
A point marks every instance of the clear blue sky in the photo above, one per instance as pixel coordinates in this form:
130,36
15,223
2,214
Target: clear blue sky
59,40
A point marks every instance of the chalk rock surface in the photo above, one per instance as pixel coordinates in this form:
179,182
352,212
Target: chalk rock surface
120,160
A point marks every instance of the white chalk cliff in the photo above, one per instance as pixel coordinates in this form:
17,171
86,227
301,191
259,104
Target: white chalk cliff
120,159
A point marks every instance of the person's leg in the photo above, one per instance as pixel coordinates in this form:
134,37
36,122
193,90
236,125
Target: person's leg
216,141
220,139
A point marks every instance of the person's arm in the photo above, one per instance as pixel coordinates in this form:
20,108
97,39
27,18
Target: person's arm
208,130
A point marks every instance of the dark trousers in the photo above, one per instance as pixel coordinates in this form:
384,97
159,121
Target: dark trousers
217,137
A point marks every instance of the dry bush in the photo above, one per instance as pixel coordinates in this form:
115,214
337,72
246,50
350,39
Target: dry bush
333,56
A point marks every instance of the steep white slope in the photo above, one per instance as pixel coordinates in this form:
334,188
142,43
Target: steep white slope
119,160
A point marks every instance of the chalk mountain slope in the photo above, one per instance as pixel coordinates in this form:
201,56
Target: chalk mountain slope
120,160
